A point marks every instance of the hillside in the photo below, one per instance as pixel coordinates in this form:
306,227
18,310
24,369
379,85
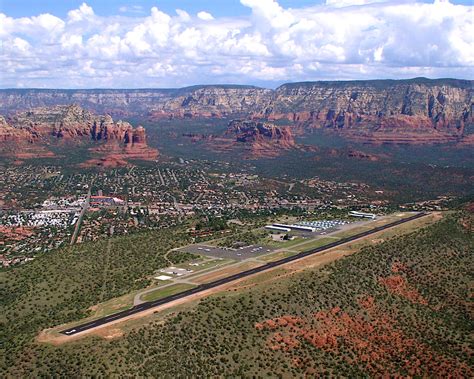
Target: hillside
32,133
397,308
414,111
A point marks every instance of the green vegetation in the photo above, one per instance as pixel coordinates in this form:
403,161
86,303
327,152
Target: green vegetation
61,285
167,291
400,308
276,256
316,243
214,224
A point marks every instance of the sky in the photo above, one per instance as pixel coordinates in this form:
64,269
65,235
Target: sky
176,43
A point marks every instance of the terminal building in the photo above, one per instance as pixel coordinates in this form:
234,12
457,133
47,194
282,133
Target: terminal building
278,228
362,214
300,228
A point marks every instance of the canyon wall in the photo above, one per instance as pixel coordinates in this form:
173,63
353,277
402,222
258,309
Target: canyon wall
394,111
188,101
33,131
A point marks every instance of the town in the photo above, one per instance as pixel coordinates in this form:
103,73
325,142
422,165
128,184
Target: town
42,206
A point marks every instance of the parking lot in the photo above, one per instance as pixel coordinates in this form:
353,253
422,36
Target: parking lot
240,254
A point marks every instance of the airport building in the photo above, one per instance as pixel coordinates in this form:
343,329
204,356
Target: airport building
277,228
362,214
301,228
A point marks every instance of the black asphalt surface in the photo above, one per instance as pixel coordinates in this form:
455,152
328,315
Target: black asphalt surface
203,287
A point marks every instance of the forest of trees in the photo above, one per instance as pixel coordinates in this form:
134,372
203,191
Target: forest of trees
397,308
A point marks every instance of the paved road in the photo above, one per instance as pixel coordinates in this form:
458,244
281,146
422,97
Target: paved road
219,282
77,228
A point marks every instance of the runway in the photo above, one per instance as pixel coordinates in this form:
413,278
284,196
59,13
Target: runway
203,287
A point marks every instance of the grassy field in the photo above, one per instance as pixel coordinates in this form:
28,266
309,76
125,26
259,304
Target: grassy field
351,232
283,244
167,291
113,305
276,256
316,243
226,271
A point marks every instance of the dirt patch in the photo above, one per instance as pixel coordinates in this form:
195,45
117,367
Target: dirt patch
470,207
279,322
377,241
293,268
398,285
33,154
319,260
15,233
110,333
374,342
468,221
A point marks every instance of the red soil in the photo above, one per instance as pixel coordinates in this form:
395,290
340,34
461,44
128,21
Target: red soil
470,207
15,233
398,285
374,340
398,267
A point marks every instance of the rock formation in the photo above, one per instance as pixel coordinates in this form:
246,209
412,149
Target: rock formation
10,134
195,101
375,111
39,127
213,101
262,139
407,111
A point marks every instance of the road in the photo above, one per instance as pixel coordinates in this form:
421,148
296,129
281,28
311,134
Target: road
77,228
203,287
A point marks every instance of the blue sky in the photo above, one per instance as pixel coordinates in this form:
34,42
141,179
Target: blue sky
173,43
219,8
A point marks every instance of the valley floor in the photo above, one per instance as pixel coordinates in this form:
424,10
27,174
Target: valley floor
397,307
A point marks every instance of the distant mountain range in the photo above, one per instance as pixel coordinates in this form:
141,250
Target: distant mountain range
417,110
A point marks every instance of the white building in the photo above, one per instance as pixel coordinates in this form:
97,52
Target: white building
362,214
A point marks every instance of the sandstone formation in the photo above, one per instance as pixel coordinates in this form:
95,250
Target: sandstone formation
213,101
262,139
195,101
375,111
34,130
10,134
410,111
357,154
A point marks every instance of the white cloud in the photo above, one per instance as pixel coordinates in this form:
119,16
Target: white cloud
82,13
131,9
18,46
205,16
349,3
342,39
71,41
183,15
